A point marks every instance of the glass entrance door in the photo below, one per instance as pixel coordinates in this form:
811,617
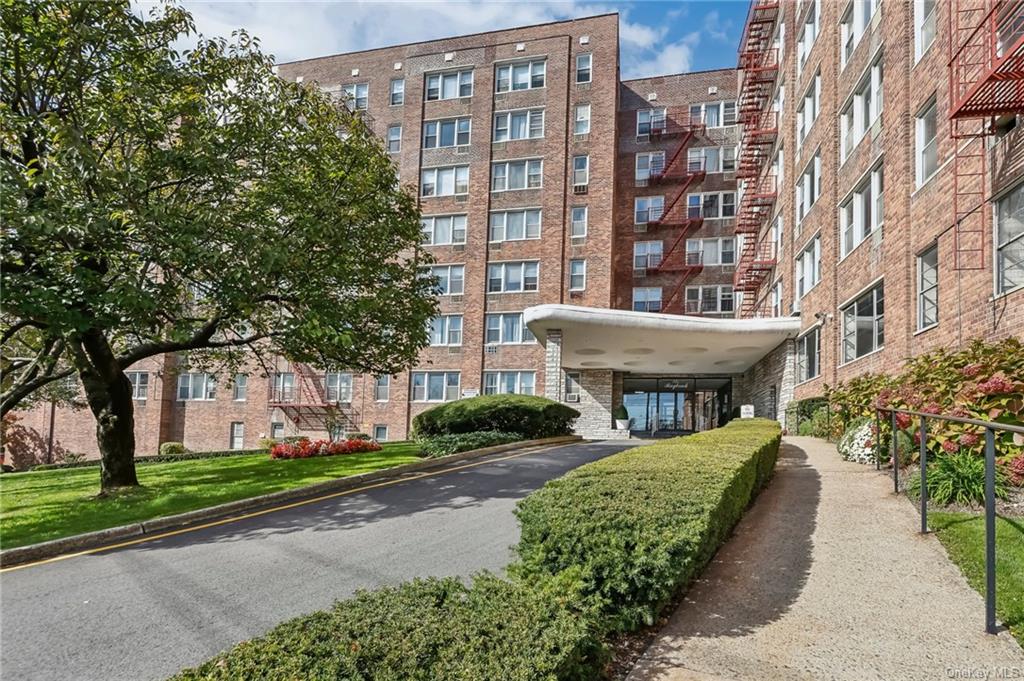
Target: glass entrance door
672,405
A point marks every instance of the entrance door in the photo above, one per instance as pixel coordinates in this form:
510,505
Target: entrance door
671,405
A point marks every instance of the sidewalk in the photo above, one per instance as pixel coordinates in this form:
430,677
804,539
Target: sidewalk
826,577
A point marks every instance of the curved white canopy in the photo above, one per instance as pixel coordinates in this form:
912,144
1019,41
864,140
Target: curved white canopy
645,342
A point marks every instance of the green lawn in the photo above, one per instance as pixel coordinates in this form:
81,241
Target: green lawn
963,535
46,505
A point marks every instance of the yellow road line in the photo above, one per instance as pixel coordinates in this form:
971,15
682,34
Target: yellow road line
295,504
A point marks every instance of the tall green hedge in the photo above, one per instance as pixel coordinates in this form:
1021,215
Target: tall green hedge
530,416
640,525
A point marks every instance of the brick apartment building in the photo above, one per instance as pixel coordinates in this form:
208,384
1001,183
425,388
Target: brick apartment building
554,193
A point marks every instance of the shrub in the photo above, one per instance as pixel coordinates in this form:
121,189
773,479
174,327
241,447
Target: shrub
641,524
424,630
530,416
358,436
172,449
443,445
1015,471
305,449
267,443
158,458
857,444
957,479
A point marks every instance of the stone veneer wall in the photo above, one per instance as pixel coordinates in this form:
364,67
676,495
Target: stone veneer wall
776,370
600,391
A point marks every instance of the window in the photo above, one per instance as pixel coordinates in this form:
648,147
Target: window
1010,240
382,388
240,387
449,85
647,299
808,267
519,125
509,382
520,76
450,132
863,109
506,328
808,34
707,159
714,114
808,188
714,299
357,96
513,277
443,230
863,212
646,254
393,138
444,181
928,288
583,62
927,144
864,324
649,163
924,26
513,175
338,386
711,205
140,384
580,171
578,224
515,225
397,91
451,278
647,209
284,386
808,349
445,330
237,435
197,387
380,433
807,110
577,275
778,232
581,125
573,389
435,386
650,120
853,26
276,430
777,299
717,251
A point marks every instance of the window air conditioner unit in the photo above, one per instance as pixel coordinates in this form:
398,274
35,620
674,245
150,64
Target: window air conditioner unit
572,397
578,240
454,350
794,308
640,228
496,246
581,138
498,146
640,272
461,198
458,247
491,349
464,149
456,299
643,138
579,189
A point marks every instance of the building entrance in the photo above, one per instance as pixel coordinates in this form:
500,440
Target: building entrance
673,405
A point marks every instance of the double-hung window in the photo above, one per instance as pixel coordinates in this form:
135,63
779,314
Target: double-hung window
196,386
445,330
450,278
647,299
515,225
650,120
714,114
927,143
853,26
578,223
928,288
715,251
444,230
862,213
581,124
338,387
862,110
807,110
449,181
808,34
513,175
648,209
357,96
1010,240
580,171
808,267
924,26
382,389
647,254
394,139
577,275
713,299
237,436
808,349
583,67
397,91
509,382
573,387
450,132
140,384
435,386
513,277
520,75
240,387
283,390
649,163
808,188
451,85
864,324
506,328
519,125
711,205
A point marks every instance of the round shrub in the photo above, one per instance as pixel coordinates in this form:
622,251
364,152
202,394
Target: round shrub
529,416
857,444
172,449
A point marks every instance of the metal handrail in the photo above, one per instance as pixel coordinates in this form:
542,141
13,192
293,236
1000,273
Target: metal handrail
990,428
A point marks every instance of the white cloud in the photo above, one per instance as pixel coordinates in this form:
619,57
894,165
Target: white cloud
674,57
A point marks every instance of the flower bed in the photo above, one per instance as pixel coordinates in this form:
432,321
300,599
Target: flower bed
856,444
306,449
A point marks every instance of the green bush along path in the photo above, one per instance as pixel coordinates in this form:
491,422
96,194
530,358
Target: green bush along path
45,505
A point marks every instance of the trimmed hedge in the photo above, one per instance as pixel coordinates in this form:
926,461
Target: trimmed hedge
445,445
156,458
641,525
424,630
529,416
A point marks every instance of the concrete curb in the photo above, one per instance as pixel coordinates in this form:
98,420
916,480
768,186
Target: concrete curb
99,538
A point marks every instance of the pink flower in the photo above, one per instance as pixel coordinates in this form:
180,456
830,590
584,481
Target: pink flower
931,408
902,421
950,446
972,370
969,439
917,437
997,385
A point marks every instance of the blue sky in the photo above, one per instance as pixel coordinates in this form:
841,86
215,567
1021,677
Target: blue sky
655,37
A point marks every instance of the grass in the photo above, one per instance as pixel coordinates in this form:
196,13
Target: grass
963,535
47,505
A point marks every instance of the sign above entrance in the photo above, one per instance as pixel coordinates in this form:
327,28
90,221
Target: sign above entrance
747,411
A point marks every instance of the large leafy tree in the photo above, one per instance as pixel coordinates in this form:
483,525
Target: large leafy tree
156,201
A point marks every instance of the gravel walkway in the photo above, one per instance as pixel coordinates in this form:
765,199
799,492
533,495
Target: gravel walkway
827,578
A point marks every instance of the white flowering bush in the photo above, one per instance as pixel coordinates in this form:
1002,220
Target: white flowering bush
856,444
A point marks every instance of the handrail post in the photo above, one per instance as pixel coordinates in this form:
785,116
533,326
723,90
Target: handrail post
990,531
924,475
895,456
878,440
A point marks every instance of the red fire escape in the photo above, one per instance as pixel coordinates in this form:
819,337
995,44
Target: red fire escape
303,396
680,174
986,81
759,71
